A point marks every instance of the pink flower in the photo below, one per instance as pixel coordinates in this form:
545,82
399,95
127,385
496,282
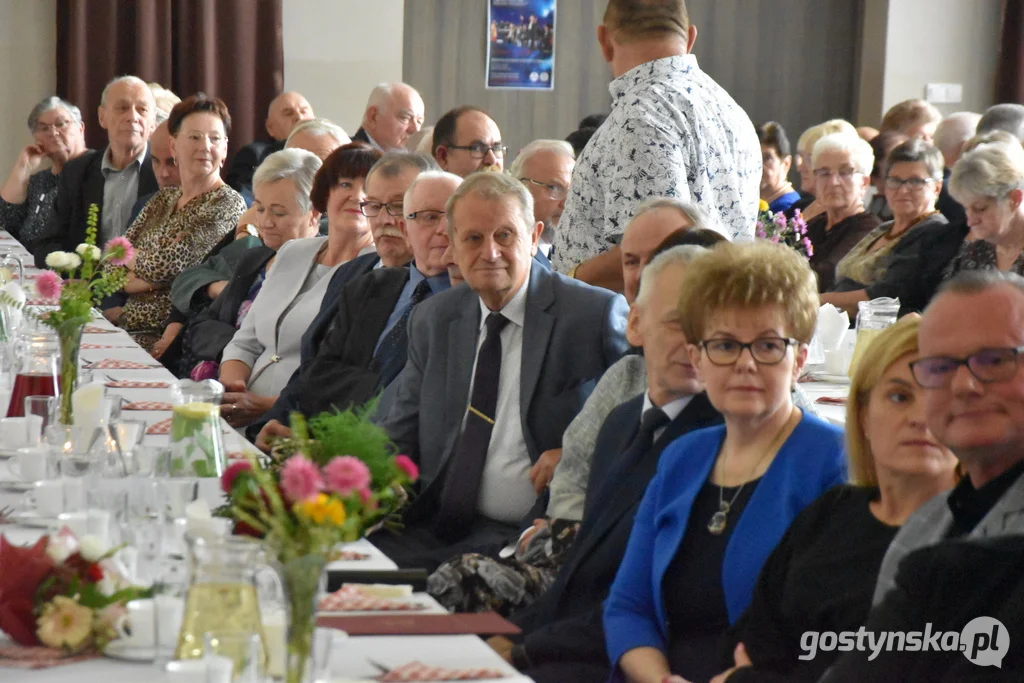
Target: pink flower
405,463
345,474
227,480
300,479
119,251
48,285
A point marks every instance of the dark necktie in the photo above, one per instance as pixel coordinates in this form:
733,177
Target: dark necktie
465,468
394,347
652,420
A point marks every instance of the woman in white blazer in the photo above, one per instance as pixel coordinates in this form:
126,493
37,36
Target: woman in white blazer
263,354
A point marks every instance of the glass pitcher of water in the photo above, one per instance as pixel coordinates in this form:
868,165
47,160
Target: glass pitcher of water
222,595
872,317
197,444
38,361
11,267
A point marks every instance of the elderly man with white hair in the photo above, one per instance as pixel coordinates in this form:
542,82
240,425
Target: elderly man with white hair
319,136
951,135
545,168
112,178
394,111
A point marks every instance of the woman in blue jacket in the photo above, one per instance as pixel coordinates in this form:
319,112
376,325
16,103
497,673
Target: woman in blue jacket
723,497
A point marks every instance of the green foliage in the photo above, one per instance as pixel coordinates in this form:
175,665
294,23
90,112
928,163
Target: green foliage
350,432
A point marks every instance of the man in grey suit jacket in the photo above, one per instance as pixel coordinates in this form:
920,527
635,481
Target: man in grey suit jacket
496,370
970,340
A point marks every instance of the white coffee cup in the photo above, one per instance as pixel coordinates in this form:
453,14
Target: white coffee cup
136,628
17,432
30,465
837,362
76,522
46,497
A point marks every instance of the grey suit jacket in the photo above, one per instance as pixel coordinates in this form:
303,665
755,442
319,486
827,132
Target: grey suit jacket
930,524
572,333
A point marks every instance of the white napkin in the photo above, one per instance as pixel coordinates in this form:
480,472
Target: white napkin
14,315
200,521
87,404
832,325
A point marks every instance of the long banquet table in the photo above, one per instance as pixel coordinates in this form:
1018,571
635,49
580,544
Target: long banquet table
350,658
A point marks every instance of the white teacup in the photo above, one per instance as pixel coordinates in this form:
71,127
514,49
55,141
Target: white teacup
136,628
46,497
18,432
837,362
31,464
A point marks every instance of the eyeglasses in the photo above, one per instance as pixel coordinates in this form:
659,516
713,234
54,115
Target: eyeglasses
58,125
373,209
913,184
843,173
987,366
555,191
428,217
766,350
479,150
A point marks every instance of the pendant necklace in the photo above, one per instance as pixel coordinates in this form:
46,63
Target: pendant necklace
719,520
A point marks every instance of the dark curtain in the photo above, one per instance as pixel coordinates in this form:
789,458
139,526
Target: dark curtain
228,48
1010,67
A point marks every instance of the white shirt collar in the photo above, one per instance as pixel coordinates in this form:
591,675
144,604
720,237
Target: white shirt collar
372,141
514,310
545,248
672,408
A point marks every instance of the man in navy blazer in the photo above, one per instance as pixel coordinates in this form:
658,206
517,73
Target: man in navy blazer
496,370
112,178
563,635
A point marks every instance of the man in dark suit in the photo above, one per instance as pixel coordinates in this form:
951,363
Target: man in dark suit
946,587
393,112
540,342
284,112
977,411
563,638
386,185
113,178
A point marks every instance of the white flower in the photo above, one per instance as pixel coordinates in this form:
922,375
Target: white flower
74,260
58,260
58,552
91,548
90,251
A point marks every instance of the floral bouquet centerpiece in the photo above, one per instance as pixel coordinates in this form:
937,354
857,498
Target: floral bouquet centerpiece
776,227
76,282
62,593
336,477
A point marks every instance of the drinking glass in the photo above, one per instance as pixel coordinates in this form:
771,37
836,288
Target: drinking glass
141,524
127,436
45,409
239,653
80,461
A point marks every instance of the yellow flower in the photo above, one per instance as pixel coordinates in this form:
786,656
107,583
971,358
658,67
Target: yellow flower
322,509
762,206
65,624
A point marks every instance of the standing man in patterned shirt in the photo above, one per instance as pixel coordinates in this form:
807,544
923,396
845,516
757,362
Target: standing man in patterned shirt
672,132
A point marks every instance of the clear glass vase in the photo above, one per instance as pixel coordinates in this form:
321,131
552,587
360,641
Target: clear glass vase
304,581
69,337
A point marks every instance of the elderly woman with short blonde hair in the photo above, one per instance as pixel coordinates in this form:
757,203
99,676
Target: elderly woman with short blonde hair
724,496
988,181
842,170
822,575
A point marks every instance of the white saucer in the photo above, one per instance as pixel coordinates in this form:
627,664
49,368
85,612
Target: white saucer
7,453
31,518
117,649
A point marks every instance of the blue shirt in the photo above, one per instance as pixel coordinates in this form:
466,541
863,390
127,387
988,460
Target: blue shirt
438,284
782,203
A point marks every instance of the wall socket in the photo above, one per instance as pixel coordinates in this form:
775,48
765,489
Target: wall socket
944,93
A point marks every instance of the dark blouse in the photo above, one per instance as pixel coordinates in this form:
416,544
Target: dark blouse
820,578
830,246
694,597
979,255
27,221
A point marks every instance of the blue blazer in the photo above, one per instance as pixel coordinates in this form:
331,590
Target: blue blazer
809,463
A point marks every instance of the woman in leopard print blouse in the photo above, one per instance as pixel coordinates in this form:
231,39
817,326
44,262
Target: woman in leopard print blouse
180,225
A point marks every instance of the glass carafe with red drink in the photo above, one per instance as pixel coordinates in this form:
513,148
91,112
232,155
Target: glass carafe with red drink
38,363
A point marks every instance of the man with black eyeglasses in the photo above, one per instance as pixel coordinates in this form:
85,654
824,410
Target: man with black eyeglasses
467,140
971,339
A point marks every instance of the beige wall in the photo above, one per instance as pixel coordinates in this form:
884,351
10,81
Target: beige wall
28,71
335,51
928,41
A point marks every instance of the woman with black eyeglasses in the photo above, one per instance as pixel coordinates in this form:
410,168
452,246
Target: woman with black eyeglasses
913,179
723,497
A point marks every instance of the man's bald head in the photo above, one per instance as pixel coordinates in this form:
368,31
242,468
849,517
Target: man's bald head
285,111
394,111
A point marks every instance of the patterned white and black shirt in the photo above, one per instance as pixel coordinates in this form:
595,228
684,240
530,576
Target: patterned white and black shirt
672,132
